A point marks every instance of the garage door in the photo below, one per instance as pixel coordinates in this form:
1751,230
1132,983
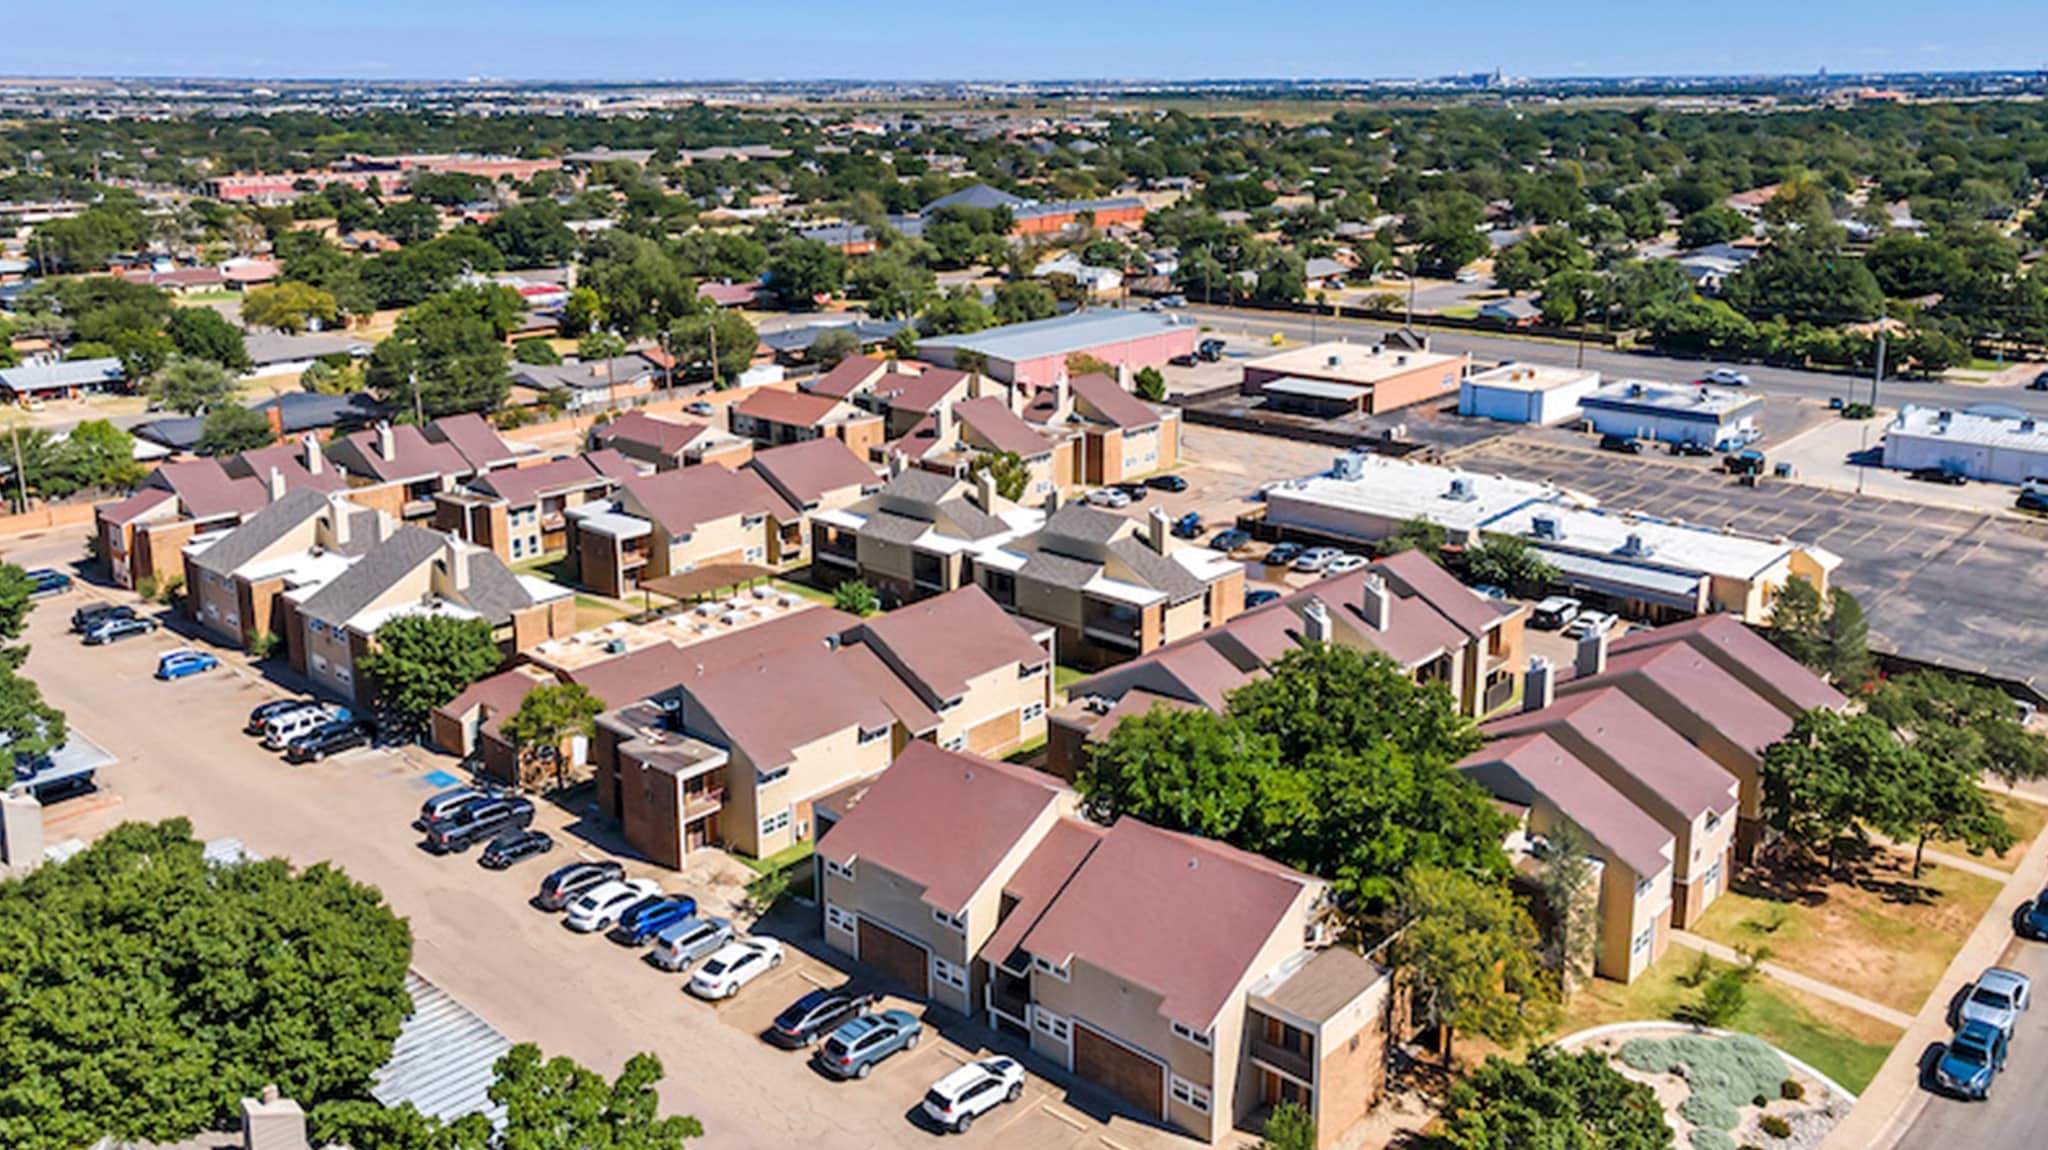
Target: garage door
895,957
1124,1072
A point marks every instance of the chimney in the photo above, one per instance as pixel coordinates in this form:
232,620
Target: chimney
1052,500
1378,604
1591,658
315,461
276,485
387,442
1316,619
985,490
942,422
1123,376
457,559
274,415
1059,393
339,512
1539,684
1155,529
273,1122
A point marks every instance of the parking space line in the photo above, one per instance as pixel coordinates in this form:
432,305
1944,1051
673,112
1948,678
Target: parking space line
1068,1119
813,979
1113,1144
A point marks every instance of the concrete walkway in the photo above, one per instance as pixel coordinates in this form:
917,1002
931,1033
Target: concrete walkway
1796,980
1894,1097
1963,863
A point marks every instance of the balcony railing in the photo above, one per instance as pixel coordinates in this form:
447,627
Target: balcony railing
1497,695
697,804
1279,1058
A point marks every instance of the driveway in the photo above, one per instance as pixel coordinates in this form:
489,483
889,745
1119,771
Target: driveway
181,752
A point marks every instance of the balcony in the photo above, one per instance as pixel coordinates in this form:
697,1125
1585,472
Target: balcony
1498,692
697,804
1276,1057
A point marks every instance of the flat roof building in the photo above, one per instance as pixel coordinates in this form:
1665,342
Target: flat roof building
1036,353
1674,413
1365,378
1988,442
1526,393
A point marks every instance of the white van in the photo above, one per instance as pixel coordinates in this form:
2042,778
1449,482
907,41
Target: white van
280,731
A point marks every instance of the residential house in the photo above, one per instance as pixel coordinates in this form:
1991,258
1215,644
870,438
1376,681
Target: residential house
987,675
677,521
591,383
1190,981
399,469
1514,311
668,444
234,581
519,513
958,436
68,379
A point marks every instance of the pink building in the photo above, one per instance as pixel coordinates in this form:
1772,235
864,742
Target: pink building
1035,353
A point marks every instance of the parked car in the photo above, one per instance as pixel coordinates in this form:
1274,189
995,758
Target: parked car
185,661
1316,558
331,738
1973,1057
438,806
115,630
2038,383
1109,497
1554,612
817,1014
47,581
1188,526
1173,301
598,908
1997,997
514,846
1489,591
1230,539
1346,563
736,964
477,821
1589,623
1748,461
1691,449
1209,350
281,731
1621,443
956,1100
1186,359
1173,483
1941,475
2033,501
1135,492
565,884
647,919
1260,597
1726,377
1283,554
265,712
682,943
854,1048
700,408
86,618
2033,919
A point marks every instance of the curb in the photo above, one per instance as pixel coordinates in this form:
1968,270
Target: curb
1614,1028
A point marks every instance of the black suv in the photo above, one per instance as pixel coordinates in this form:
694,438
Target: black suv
1621,443
328,739
810,1018
564,884
477,820
86,618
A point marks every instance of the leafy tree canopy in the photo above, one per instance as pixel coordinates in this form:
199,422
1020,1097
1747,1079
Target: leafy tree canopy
422,662
1556,1101
192,386
203,333
1469,953
232,429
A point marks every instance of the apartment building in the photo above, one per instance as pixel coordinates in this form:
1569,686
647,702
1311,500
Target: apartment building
669,444
677,521
234,580
1403,607
1122,436
771,416
953,438
813,476
400,469
916,536
520,513
1189,980
987,675
144,535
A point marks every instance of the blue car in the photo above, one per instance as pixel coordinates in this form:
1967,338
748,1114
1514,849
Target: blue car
48,581
2034,918
1973,1057
1489,591
1188,526
1260,598
646,919
178,664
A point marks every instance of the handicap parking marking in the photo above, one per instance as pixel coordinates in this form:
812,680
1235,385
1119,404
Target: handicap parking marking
440,778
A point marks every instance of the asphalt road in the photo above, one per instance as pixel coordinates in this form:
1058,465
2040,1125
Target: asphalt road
2014,1117
1818,385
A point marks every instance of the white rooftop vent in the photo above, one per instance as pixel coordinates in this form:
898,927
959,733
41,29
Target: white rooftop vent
1349,467
1635,547
1461,489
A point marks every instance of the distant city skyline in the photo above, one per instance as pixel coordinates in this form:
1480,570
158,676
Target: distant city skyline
911,40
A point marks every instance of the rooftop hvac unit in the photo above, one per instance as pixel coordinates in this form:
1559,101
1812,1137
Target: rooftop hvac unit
1461,490
614,646
1545,527
1349,467
1635,391
1635,547
1334,360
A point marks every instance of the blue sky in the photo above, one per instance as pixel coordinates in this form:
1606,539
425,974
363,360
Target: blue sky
1036,39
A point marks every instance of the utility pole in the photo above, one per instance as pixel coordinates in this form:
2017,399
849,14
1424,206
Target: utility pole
1876,378
20,472
717,376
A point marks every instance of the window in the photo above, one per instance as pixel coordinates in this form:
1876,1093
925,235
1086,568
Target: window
1059,972
839,869
763,778
518,546
1712,879
948,704
1642,940
956,922
776,822
1033,712
341,672
949,974
867,736
1713,822
1032,672
839,918
752,521
1051,1025
316,626
1189,1094
319,663
1642,887
956,743
756,554
1200,1038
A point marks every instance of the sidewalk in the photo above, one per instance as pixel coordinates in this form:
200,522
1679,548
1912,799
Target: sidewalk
1894,1098
1798,981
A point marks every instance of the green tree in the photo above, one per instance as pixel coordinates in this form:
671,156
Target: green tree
555,1103
531,235
958,312
1830,636
729,332
17,599
856,598
1509,562
583,311
1958,721
1569,884
1024,301
1553,1101
1541,256
203,333
833,345
1012,474
231,429
1717,224
535,350
192,386
547,717
1149,385
160,989
640,290
1417,534
1468,953
289,307
802,270
1288,1127
454,346
421,662
598,346
894,287
1815,778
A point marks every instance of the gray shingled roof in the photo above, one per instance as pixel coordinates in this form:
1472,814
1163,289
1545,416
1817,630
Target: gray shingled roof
1157,570
977,523
373,574
1058,570
261,530
1083,524
919,486
890,527
494,591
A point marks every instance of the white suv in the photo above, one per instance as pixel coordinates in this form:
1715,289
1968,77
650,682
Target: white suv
956,1100
601,907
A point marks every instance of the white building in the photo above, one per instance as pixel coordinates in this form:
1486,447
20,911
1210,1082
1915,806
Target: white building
1526,393
1674,413
1996,444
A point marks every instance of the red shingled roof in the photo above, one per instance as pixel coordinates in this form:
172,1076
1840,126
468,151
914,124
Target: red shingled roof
787,408
681,500
1112,403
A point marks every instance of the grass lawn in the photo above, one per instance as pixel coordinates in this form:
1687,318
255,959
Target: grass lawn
787,857
1063,676
2026,820
804,590
1841,1043
1882,934
594,612
1462,311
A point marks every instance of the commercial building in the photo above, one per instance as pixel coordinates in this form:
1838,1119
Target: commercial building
1035,353
1526,393
1674,413
1193,982
1342,378
1994,444
68,379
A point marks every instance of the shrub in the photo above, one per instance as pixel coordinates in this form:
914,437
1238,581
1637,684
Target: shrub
1858,411
147,587
1720,1073
1774,1126
1726,993
1699,972
1790,1090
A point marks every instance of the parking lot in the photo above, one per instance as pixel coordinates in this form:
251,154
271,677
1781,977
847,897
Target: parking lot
1938,584
181,752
